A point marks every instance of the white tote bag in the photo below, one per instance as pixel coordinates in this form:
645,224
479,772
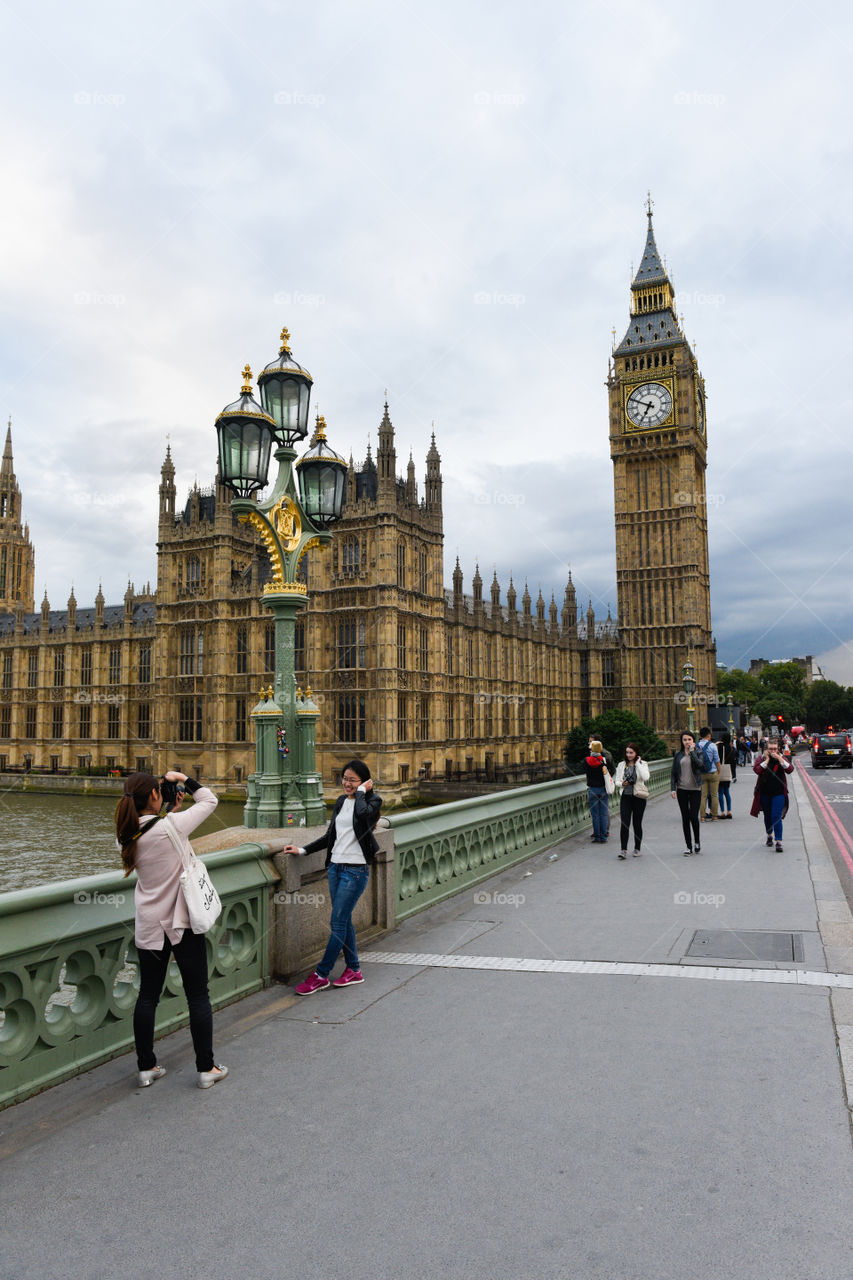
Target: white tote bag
609,784
202,900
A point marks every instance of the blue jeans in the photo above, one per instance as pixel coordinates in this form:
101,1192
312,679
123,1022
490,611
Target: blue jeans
771,807
725,797
598,810
346,885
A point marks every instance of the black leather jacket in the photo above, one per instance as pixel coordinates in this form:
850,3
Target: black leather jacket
364,819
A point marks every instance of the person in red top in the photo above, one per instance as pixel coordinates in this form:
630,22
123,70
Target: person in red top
595,765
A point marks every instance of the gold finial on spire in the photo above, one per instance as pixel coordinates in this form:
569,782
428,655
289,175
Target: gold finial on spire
261,694
247,380
320,433
649,205
269,693
284,349
308,691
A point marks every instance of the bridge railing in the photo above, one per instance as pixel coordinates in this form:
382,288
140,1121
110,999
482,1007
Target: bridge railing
68,970
450,848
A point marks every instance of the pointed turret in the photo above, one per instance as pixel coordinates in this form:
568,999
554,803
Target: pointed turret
72,611
552,616
570,609
17,558
167,487
7,468
496,596
433,478
387,455
510,597
411,482
99,607
526,615
477,589
45,611
458,598
128,602
590,623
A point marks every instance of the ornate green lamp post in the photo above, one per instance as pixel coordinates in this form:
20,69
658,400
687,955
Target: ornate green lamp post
689,686
285,789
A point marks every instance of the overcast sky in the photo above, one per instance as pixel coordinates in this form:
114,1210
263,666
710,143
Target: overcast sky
446,201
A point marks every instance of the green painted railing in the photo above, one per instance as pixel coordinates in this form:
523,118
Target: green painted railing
446,849
68,978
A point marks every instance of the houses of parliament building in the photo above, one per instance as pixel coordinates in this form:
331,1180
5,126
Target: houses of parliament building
419,678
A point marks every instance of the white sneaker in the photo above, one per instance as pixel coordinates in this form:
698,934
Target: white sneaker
208,1078
148,1077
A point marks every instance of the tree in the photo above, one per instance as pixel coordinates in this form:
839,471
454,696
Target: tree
743,687
828,703
615,729
785,680
776,704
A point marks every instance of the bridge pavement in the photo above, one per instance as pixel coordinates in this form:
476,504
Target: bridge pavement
486,1121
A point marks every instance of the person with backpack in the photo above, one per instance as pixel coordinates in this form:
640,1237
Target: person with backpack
710,776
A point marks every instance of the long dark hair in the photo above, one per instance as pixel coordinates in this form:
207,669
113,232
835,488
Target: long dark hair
137,793
634,748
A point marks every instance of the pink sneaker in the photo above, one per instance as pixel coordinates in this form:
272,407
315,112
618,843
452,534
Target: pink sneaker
312,984
349,978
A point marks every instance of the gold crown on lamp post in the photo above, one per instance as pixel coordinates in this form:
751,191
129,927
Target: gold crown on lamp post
284,349
247,380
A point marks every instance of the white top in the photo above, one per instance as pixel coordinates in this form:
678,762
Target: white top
347,848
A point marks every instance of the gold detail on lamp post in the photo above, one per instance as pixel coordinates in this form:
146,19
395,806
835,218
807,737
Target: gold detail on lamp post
257,522
287,522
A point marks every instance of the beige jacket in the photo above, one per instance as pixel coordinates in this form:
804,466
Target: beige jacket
161,911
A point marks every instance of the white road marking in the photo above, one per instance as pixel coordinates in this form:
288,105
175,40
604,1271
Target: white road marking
512,964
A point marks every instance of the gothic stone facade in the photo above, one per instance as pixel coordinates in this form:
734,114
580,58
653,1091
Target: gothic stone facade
418,678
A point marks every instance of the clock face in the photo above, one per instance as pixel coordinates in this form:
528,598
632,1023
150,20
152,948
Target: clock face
649,405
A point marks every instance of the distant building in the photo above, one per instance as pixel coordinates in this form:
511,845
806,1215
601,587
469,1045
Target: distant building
808,664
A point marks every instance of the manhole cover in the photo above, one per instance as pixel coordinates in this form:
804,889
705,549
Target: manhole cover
728,944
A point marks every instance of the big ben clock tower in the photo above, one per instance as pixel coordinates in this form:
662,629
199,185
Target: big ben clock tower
658,444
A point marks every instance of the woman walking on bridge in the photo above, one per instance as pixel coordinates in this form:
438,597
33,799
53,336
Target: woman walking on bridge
688,769
350,849
771,791
162,922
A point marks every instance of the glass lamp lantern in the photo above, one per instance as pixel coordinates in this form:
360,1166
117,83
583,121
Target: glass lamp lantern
322,476
285,389
245,435
689,683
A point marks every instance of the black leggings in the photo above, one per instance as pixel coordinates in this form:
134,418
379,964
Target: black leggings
688,803
191,958
631,807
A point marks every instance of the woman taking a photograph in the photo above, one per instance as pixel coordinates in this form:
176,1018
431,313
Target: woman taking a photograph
162,926
350,849
686,785
772,790
632,778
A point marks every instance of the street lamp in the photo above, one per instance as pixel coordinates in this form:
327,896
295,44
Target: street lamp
730,703
688,683
285,789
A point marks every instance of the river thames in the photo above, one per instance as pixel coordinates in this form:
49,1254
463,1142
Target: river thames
44,838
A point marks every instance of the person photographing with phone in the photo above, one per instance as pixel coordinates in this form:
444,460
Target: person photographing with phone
771,792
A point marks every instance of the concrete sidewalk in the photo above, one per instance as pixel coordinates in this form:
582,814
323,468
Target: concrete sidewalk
488,1121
